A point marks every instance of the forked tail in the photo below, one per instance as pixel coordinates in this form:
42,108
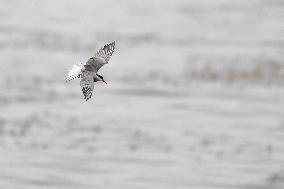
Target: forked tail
75,71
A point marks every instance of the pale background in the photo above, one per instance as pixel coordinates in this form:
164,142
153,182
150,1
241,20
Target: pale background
195,96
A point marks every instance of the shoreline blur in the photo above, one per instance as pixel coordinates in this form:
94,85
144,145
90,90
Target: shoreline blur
194,97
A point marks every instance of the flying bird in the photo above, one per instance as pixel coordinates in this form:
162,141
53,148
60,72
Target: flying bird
88,71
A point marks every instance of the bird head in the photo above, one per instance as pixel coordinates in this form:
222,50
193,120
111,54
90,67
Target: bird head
102,78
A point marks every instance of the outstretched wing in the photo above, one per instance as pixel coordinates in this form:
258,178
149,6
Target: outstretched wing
100,58
106,52
75,71
87,84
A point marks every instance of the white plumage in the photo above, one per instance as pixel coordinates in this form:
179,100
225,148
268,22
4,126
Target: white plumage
75,71
88,71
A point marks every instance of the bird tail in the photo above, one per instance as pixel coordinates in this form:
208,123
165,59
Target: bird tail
75,71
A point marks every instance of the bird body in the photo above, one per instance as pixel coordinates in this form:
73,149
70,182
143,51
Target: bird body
88,71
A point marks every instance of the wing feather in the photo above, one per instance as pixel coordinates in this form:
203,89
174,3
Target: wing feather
87,84
106,52
100,58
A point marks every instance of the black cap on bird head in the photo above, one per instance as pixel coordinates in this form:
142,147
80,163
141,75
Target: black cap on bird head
102,78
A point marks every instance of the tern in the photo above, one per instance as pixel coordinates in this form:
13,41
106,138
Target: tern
88,71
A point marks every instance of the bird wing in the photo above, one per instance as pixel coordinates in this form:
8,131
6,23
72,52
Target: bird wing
100,58
87,84
75,71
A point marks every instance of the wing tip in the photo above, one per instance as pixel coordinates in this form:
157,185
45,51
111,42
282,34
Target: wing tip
111,44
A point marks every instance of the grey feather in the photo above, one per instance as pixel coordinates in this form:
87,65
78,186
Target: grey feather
100,58
87,84
88,71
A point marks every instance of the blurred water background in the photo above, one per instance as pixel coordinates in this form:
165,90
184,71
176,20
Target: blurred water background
195,96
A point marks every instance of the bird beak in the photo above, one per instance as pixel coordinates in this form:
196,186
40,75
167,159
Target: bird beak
104,81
